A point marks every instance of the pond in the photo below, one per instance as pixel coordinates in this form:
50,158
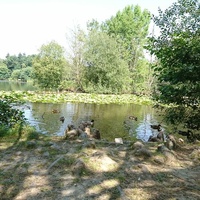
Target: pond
111,120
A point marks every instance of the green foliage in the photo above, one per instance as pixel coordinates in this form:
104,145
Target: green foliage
26,73
130,27
177,48
105,71
68,85
22,74
74,73
19,62
57,97
16,74
143,78
10,116
4,72
33,135
49,65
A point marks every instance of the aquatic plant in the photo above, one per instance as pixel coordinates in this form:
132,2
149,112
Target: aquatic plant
61,97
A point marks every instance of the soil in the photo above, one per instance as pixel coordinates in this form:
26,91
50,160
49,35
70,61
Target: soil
71,170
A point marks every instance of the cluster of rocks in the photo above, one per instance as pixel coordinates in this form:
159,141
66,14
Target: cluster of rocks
84,130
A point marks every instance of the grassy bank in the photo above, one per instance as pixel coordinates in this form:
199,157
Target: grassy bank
38,167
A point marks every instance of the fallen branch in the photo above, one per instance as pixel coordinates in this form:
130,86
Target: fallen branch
52,164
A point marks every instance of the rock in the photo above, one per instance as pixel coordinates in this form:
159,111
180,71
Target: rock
159,160
171,142
143,152
195,154
118,141
78,168
162,148
138,145
18,153
144,168
46,154
169,155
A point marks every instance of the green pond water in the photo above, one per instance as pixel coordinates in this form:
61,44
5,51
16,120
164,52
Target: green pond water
112,120
14,86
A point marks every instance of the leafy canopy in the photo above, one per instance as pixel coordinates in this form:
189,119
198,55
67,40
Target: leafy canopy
4,71
49,65
178,50
105,71
130,27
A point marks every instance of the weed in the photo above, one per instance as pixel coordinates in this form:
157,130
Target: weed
33,135
160,177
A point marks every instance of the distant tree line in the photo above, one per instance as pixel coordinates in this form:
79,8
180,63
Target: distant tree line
16,67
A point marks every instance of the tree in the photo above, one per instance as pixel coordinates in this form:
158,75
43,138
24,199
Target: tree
19,62
11,62
178,50
105,71
76,43
22,74
4,71
49,66
130,28
16,75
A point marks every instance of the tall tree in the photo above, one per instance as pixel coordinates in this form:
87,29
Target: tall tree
76,42
4,71
49,66
178,50
105,71
11,62
130,27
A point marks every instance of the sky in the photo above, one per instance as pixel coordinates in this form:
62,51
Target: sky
25,25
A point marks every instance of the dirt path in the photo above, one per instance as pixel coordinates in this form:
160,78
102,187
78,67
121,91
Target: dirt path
72,170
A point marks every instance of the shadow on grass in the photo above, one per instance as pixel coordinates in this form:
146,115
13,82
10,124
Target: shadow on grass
44,171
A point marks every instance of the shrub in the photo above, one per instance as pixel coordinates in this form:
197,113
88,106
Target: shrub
10,116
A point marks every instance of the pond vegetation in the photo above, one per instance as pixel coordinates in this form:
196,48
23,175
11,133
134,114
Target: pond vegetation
61,97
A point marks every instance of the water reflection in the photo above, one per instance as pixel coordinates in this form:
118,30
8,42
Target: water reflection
112,120
14,86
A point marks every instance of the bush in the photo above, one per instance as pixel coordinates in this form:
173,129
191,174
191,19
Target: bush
10,116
